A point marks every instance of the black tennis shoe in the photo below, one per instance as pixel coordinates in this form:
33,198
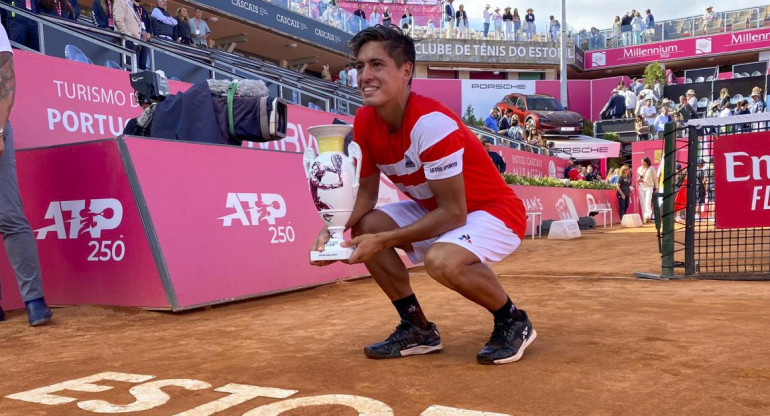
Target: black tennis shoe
508,341
406,340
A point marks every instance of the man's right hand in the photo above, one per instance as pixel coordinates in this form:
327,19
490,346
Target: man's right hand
319,245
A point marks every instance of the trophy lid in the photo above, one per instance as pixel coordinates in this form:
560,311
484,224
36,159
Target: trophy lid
330,130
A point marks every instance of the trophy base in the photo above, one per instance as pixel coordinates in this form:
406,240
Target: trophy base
332,254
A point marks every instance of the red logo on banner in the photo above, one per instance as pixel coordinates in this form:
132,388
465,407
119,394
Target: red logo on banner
742,180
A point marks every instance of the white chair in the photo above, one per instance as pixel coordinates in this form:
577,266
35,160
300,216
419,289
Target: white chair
756,74
688,80
736,75
700,79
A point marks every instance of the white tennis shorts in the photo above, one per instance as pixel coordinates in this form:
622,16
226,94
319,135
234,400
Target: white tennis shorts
484,235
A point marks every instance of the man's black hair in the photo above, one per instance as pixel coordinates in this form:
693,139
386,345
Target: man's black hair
398,45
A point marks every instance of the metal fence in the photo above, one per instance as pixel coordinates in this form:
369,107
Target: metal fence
685,211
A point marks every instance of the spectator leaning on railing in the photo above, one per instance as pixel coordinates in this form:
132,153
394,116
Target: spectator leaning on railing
486,15
757,105
200,29
491,122
102,12
162,22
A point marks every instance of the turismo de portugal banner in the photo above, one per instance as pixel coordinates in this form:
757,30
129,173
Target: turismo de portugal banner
742,180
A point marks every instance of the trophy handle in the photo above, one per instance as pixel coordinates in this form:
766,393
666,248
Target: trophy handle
308,159
354,151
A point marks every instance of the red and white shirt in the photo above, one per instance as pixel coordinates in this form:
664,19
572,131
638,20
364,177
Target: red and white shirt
433,143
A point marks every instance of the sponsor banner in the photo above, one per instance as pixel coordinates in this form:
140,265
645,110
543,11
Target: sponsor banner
585,148
480,51
90,237
680,49
481,95
529,164
567,203
266,14
742,180
67,101
448,92
241,227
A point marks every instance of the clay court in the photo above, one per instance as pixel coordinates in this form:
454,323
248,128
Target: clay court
608,344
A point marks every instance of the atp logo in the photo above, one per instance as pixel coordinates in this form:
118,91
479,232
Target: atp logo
72,219
260,208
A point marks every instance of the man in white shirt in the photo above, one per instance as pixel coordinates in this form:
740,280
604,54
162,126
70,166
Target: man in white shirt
709,16
20,244
353,77
649,112
486,15
662,119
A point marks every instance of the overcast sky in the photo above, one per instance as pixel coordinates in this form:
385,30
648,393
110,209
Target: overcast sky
582,14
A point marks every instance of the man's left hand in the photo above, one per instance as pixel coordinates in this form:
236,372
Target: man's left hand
367,246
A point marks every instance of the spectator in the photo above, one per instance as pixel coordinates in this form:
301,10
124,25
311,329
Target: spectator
657,88
375,17
461,17
742,108
344,75
21,29
647,178
508,23
661,120
685,110
497,22
449,18
359,18
709,16
649,21
570,166
615,107
162,22
691,98
102,14
386,17
491,122
649,112
505,122
529,18
713,110
612,176
637,24
553,28
431,28
59,8
325,74
515,132
353,76
757,105
182,32
623,186
644,94
145,34
625,28
576,173
642,127
630,101
638,86
592,175
128,23
20,244
496,158
516,25
486,15
724,97
200,30
616,26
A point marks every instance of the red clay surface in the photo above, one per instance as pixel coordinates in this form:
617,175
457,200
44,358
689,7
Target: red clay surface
608,344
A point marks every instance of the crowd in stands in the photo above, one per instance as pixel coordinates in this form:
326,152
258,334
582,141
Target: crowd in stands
643,103
129,17
508,125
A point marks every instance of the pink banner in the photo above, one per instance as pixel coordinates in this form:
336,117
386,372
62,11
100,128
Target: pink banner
567,203
67,101
529,164
742,180
241,226
92,245
447,91
297,138
722,43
